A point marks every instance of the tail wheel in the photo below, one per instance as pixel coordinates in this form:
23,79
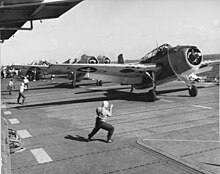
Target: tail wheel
193,91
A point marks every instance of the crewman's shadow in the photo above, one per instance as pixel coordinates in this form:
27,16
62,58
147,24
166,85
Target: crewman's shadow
82,139
11,103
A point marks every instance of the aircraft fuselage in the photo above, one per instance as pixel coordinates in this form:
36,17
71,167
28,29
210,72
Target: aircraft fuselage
175,62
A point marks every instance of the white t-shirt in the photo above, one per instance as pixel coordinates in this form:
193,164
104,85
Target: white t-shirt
22,88
103,113
11,84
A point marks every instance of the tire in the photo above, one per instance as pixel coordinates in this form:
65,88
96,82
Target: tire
152,95
100,83
193,91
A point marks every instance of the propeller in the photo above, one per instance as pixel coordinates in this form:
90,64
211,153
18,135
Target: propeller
194,56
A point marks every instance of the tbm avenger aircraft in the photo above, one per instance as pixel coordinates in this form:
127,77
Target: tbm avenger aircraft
162,65
36,71
77,76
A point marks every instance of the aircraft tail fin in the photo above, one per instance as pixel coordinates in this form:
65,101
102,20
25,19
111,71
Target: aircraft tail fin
67,61
120,59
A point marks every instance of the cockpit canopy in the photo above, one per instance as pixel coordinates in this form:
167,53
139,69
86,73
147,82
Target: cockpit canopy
161,49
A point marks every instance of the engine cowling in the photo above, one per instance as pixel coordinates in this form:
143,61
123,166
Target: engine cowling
104,60
185,60
92,60
88,59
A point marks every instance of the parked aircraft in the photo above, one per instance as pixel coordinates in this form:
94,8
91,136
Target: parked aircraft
161,65
34,71
37,70
77,76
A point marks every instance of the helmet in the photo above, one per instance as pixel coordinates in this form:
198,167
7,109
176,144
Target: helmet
105,104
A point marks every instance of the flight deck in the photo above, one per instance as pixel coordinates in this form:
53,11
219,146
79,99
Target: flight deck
175,134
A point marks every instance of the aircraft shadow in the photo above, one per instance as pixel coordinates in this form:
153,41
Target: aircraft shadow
69,85
142,96
111,94
100,90
52,86
162,92
170,91
81,139
11,103
61,103
58,85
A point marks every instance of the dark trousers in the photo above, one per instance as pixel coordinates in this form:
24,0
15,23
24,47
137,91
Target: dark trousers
102,125
19,96
10,89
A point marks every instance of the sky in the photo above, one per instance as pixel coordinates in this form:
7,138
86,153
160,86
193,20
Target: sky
111,27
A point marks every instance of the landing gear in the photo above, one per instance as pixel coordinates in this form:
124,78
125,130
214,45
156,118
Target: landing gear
73,84
98,83
193,91
152,93
132,88
74,79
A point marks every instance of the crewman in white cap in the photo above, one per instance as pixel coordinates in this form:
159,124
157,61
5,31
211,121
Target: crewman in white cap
103,113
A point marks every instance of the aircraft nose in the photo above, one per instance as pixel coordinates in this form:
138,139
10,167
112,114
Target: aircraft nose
194,56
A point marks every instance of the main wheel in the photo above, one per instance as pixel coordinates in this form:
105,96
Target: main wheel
193,91
152,95
100,83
